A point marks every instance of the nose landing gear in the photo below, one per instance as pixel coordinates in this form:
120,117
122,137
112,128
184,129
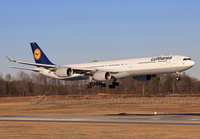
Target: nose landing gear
178,78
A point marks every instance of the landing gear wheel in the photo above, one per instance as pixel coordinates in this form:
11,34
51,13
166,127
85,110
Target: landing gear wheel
111,86
178,78
98,83
87,86
93,83
116,83
103,85
90,83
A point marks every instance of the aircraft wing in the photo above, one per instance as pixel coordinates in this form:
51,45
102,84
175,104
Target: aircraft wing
78,70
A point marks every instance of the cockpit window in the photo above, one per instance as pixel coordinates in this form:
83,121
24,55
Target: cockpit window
186,59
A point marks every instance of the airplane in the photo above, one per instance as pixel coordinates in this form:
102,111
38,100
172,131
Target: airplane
141,69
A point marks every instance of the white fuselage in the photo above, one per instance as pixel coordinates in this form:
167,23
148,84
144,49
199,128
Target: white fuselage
132,67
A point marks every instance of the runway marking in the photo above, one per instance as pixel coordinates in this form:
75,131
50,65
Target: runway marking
195,119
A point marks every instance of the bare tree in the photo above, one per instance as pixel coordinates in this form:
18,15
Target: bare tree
2,86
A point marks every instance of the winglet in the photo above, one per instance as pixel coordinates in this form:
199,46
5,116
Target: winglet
10,59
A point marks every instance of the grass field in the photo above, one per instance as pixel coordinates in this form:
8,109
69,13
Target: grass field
95,130
46,130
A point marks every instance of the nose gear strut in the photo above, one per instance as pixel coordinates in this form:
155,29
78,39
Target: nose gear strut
178,78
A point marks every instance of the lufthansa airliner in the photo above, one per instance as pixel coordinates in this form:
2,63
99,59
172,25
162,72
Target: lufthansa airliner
141,69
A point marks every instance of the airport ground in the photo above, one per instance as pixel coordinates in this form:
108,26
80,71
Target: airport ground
27,129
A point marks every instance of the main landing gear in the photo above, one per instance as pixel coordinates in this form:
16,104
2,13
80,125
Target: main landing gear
89,86
178,78
114,83
101,84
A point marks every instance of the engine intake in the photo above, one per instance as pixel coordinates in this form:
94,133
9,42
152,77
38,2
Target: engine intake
64,72
102,76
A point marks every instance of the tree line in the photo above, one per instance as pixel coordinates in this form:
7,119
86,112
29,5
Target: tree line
24,84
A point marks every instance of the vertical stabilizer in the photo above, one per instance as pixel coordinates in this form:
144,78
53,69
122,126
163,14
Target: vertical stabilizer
38,55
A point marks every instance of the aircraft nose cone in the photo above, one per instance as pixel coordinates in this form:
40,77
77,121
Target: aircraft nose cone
192,63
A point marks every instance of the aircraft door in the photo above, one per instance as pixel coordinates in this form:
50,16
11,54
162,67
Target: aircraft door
173,62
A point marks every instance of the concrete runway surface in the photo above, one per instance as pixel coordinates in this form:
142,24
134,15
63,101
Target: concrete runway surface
177,119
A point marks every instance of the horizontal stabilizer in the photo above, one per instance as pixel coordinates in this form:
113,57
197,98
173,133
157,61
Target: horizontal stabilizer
36,69
32,64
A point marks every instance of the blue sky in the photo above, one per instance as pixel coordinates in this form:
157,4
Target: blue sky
77,31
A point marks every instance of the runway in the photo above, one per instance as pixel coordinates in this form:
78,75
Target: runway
176,119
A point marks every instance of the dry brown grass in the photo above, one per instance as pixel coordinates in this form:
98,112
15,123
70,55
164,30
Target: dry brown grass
95,109
54,130
48,130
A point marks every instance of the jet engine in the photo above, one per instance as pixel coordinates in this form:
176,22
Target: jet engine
102,76
144,77
64,72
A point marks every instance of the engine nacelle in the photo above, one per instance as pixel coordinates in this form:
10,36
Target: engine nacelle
143,77
64,72
102,76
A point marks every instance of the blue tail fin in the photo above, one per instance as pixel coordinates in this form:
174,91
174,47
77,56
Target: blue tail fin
38,55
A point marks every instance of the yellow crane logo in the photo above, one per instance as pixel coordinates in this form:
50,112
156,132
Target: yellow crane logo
37,54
